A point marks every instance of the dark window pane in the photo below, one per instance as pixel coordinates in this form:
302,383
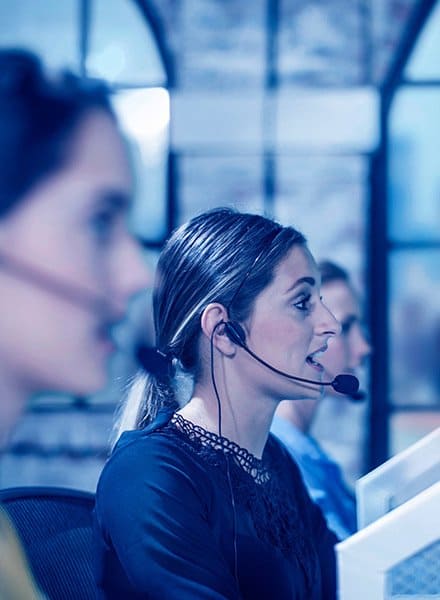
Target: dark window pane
414,184
414,314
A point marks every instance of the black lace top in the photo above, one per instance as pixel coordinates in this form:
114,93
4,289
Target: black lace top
183,513
205,442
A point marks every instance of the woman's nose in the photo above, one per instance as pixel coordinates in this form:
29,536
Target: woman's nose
327,322
134,274
360,346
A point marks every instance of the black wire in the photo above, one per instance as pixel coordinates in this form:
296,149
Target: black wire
225,454
219,406
275,370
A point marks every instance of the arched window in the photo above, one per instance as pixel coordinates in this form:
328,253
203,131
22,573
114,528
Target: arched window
406,235
114,41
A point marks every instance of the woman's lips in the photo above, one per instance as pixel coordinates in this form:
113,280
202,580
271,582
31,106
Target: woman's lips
316,365
311,359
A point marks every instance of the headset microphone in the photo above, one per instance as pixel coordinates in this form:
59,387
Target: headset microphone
344,384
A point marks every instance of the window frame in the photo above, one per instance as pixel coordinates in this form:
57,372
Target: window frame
381,247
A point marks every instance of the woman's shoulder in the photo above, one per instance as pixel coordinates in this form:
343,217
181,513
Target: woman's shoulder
153,456
151,471
154,446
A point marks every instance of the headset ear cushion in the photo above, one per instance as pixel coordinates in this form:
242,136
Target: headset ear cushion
235,333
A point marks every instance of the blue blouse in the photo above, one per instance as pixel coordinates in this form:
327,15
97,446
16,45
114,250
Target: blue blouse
181,513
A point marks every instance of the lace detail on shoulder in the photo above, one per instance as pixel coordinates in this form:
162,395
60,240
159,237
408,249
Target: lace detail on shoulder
252,465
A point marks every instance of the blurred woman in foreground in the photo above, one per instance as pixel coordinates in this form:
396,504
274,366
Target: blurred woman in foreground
68,265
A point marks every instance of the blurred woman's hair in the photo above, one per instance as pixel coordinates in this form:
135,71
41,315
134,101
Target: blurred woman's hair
330,271
211,258
38,118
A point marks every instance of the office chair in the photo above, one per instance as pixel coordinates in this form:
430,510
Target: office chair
55,528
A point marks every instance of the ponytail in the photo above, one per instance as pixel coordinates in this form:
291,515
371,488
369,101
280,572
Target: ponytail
147,395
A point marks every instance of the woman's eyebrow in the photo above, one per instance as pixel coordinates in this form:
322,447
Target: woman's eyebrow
115,200
309,280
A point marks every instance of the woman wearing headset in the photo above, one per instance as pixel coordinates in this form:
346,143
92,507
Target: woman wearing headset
199,501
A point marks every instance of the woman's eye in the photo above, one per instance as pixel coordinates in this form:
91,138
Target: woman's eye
102,224
346,326
303,304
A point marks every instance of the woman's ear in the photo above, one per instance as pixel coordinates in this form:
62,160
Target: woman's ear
211,323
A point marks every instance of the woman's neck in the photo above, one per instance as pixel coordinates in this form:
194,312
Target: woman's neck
300,413
242,421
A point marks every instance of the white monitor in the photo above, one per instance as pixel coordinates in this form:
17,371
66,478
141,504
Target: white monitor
397,557
399,479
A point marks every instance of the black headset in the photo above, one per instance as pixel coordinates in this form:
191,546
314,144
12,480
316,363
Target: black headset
343,383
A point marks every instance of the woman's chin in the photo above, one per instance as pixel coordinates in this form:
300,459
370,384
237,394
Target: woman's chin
306,392
315,392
